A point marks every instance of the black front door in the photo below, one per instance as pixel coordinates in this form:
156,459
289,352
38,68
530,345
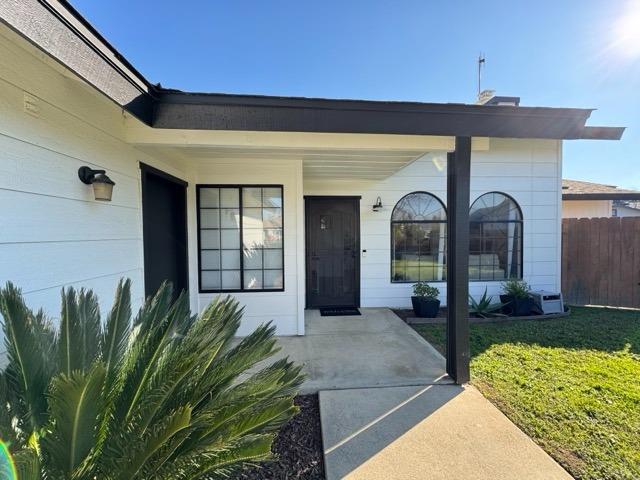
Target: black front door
333,251
164,224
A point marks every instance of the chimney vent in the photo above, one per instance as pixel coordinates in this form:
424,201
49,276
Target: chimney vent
488,97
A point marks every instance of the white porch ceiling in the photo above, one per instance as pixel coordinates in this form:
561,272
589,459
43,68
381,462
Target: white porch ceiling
329,163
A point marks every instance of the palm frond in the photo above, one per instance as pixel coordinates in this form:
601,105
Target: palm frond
89,314
255,348
144,355
29,340
141,450
80,331
219,462
8,433
116,334
75,405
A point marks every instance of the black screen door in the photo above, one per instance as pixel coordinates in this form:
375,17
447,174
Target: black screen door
333,251
164,224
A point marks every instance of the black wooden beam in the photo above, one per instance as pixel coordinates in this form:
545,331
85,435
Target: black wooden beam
198,111
458,184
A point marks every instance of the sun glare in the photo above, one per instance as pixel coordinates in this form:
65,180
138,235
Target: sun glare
7,466
627,31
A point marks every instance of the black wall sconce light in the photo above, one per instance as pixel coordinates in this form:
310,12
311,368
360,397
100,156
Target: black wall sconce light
378,206
102,185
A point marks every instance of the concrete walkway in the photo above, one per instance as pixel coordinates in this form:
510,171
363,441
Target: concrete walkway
431,432
376,349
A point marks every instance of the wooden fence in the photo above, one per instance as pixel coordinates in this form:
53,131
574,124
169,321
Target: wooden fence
601,261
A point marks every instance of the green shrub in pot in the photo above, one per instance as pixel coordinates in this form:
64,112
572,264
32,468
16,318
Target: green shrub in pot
516,294
425,300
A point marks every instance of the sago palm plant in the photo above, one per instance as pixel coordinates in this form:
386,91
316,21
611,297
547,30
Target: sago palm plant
165,396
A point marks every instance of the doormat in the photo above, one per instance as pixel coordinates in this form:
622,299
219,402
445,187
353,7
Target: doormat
338,311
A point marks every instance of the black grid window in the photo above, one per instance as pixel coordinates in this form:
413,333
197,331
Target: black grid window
495,238
240,235
418,239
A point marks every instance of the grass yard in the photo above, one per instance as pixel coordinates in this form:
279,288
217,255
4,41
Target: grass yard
572,384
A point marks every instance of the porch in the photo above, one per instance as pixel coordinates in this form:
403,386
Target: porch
375,349
243,186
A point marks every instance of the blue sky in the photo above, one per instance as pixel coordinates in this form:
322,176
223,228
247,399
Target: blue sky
550,53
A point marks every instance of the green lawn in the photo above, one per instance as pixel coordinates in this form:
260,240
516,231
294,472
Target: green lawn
572,384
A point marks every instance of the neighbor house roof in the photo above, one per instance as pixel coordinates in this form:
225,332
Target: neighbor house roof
58,29
579,190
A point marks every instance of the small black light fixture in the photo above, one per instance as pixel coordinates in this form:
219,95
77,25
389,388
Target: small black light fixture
102,185
378,206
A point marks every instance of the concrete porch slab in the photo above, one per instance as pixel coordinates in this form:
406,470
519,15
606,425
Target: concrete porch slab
434,431
374,349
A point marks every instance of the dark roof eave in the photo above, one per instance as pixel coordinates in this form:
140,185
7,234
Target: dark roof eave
197,111
602,133
601,196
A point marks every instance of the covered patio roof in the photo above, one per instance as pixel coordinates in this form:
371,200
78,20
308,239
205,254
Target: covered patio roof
323,156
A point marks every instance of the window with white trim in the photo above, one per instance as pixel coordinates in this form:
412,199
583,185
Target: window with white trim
240,237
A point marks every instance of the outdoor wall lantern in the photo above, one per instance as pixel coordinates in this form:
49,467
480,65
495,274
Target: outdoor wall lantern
102,185
378,206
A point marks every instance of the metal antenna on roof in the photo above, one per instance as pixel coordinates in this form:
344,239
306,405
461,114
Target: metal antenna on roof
480,64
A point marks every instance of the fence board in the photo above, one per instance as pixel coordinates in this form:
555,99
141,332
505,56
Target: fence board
601,261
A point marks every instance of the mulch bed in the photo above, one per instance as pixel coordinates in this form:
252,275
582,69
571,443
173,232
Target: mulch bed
409,317
406,313
298,447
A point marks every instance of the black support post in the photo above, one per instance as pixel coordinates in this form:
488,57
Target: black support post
458,179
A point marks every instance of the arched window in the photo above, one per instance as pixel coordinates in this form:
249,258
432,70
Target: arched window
418,229
495,238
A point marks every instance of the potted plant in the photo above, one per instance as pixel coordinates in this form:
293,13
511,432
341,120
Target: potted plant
425,300
516,296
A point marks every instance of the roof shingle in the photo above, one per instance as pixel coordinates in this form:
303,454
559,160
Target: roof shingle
579,190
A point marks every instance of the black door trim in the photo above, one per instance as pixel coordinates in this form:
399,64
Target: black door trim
356,199
167,176
144,170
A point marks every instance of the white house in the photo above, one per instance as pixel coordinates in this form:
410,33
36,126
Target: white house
593,200
622,208
285,203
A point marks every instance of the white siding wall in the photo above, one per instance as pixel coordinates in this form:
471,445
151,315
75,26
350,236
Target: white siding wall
527,170
53,233
586,208
285,309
